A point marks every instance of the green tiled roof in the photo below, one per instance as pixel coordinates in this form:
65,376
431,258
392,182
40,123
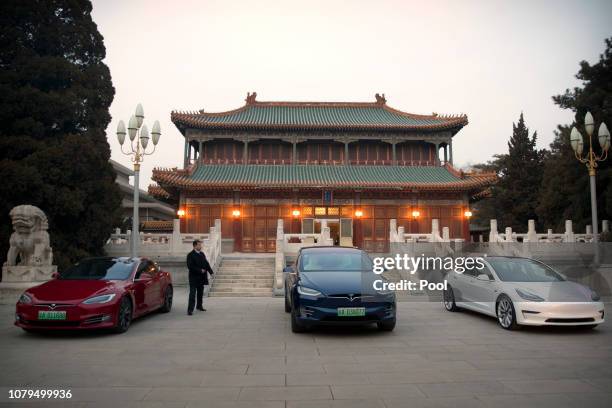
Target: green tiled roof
316,176
320,174
327,115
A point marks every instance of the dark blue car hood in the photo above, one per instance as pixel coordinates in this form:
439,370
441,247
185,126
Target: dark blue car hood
334,282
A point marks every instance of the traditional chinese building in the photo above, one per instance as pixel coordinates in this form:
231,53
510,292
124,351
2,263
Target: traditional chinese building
355,164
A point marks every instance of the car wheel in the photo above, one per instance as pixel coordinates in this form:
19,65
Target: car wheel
296,326
386,325
124,316
506,316
167,305
449,300
287,305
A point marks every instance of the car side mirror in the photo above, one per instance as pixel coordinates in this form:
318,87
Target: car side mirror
55,275
483,277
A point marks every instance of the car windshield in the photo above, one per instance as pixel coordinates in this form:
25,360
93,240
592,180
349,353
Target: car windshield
95,269
523,270
319,261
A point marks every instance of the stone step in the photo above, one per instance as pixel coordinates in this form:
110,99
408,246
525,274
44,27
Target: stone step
245,275
222,285
240,289
222,279
247,267
240,294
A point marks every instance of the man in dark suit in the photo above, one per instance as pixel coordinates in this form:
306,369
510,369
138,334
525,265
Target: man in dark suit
198,276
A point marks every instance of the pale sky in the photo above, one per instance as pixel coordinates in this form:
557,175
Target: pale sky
487,59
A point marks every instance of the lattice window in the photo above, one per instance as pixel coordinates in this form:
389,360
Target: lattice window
333,211
320,210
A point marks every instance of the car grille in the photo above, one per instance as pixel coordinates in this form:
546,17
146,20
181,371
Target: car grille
571,320
57,305
354,296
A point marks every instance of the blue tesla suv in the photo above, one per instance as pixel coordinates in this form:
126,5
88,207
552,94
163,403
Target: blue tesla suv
334,285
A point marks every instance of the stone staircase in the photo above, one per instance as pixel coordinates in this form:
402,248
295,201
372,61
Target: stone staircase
244,275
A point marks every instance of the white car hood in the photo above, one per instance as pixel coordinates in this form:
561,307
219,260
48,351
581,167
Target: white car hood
553,291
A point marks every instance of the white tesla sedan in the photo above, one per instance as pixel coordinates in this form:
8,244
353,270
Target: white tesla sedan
522,291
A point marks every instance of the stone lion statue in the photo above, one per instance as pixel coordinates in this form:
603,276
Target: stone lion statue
30,240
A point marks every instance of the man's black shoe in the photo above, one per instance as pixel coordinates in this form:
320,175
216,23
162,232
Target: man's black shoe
189,313
201,309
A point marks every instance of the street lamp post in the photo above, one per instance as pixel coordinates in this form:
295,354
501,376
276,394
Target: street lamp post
590,160
139,140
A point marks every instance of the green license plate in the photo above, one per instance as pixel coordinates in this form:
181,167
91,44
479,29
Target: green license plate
51,315
351,311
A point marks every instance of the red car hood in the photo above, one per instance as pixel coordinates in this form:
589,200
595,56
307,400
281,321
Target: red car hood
70,291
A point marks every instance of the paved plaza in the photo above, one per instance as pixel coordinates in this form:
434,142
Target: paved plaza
241,352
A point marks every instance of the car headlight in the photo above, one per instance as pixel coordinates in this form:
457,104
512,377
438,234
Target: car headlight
595,296
385,292
308,291
529,296
100,299
24,298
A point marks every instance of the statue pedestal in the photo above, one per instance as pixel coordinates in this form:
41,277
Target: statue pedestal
30,274
16,279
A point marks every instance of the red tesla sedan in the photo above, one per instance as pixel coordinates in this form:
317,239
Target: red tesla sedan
96,293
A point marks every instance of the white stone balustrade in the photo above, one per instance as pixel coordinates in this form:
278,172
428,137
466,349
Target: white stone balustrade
397,234
166,244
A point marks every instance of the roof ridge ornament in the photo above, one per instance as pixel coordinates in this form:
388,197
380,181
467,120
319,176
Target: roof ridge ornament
250,99
380,99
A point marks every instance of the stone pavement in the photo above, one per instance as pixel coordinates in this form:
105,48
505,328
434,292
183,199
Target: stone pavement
242,353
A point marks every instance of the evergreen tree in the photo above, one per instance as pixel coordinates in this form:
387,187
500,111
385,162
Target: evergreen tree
55,92
514,198
565,189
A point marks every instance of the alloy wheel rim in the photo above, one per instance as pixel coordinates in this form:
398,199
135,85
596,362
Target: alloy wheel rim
504,313
168,298
125,315
448,302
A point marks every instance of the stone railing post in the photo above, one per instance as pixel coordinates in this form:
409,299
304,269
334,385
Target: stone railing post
569,233
280,236
400,234
605,226
445,234
218,236
325,236
279,261
177,242
393,230
509,237
531,231
435,230
493,231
